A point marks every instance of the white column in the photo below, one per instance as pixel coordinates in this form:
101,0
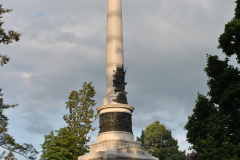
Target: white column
114,46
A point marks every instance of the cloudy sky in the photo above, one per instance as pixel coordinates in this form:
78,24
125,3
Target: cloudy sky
63,44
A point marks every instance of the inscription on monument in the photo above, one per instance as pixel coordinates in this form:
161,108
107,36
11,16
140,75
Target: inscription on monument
115,121
141,152
130,151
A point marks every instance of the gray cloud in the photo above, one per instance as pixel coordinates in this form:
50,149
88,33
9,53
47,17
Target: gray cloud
63,44
38,124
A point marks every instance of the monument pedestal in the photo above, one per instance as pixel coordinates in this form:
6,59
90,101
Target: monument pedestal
116,145
115,140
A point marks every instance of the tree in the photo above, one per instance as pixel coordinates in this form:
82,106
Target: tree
8,142
6,38
142,139
72,140
63,146
229,41
179,155
10,156
159,141
81,117
208,133
213,129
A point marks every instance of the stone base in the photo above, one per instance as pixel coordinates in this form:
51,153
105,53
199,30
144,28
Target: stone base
117,148
121,153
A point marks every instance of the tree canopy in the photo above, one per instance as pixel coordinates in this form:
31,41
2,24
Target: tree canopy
160,143
63,146
81,117
142,139
7,141
10,156
213,129
6,38
71,141
229,41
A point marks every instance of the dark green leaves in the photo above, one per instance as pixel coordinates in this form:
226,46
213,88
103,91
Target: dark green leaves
213,129
229,41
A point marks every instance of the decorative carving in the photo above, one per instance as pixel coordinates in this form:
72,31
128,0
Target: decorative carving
115,121
121,98
119,85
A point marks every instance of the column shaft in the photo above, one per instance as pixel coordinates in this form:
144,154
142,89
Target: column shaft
114,42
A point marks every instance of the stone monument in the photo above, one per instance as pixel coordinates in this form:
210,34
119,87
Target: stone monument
115,140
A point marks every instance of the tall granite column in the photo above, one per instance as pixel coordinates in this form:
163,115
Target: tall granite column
114,46
115,114
115,140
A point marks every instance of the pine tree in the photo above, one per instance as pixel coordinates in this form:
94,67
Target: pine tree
6,38
142,139
8,142
10,156
81,116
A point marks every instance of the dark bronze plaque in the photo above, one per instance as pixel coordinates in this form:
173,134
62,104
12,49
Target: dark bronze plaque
115,121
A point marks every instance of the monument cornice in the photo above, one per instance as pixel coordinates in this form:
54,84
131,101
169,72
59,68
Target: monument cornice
107,106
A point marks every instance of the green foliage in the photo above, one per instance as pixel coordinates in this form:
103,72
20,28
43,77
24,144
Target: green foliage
4,59
177,156
8,142
208,133
63,146
224,86
229,41
10,156
142,139
71,142
6,38
213,129
81,117
199,124
159,141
